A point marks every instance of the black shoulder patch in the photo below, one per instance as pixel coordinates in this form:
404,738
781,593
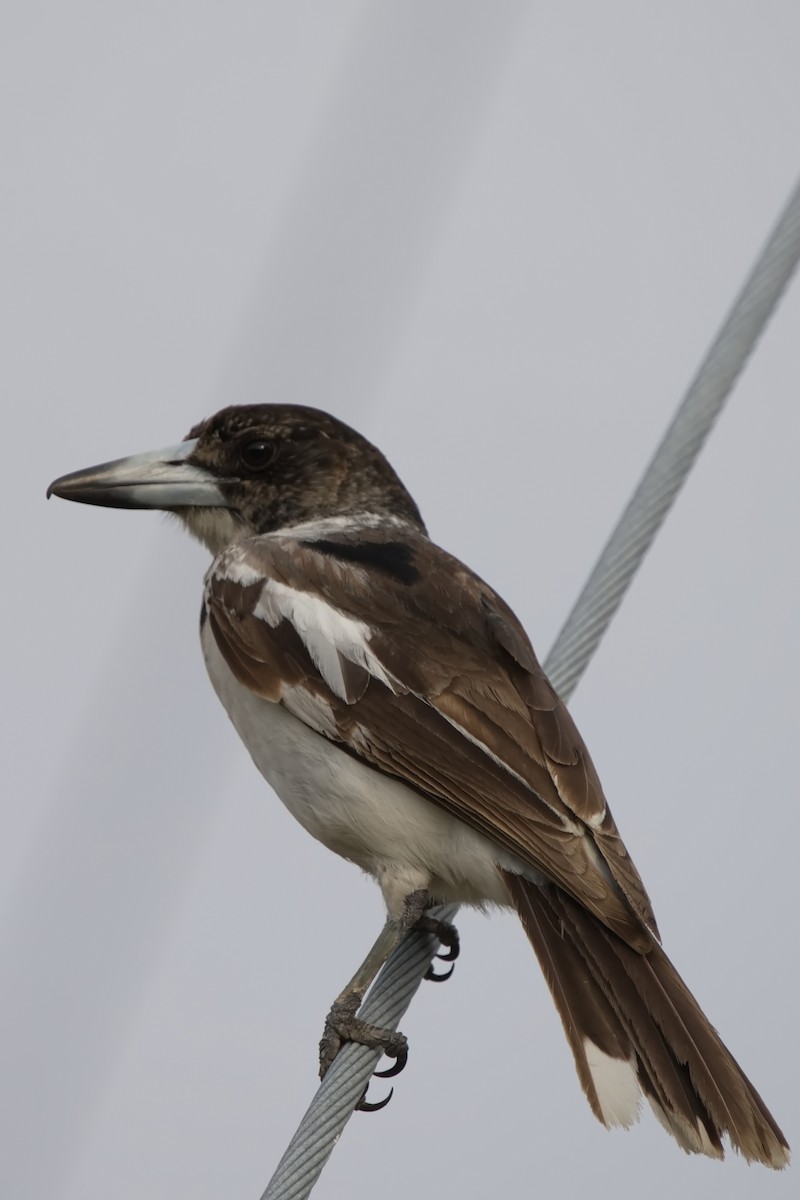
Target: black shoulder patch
392,558
203,615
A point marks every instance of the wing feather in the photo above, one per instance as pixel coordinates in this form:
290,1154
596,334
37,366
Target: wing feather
431,680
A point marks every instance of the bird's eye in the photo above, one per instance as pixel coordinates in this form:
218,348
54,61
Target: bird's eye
258,454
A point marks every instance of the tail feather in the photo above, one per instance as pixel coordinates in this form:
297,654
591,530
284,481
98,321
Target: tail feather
581,1004
657,1044
633,1026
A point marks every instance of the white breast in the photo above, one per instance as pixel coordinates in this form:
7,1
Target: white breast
398,836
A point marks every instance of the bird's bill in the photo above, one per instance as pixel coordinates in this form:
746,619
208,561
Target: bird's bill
159,479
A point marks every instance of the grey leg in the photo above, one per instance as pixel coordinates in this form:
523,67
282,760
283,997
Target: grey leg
341,1023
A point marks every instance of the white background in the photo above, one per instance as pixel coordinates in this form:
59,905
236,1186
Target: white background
497,238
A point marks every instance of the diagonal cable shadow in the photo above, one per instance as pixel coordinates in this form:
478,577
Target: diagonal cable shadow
340,274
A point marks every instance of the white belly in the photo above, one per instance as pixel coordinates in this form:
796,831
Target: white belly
391,831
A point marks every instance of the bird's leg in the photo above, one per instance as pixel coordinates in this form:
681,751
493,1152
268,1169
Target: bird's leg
341,1023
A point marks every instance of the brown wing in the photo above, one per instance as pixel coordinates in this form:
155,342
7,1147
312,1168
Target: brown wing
430,678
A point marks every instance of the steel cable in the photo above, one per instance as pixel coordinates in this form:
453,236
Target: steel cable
580,635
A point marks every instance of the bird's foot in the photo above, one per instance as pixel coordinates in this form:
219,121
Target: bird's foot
448,937
342,1025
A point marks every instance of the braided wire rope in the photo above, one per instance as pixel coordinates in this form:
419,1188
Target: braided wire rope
393,990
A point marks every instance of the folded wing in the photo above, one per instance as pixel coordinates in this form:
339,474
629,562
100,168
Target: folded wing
430,678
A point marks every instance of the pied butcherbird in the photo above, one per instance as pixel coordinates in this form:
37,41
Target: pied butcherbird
394,703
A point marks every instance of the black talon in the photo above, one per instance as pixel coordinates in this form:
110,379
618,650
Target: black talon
447,935
365,1105
445,975
400,1061
451,954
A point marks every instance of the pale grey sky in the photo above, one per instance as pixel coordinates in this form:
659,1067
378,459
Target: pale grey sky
498,239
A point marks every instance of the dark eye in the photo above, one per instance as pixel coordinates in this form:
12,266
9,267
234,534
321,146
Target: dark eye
258,454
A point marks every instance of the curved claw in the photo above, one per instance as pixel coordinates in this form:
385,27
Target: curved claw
365,1105
447,935
445,975
451,954
400,1061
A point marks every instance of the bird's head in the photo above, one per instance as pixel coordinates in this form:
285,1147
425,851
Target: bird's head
251,469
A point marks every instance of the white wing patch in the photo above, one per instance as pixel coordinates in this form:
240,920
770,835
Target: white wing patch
328,634
232,564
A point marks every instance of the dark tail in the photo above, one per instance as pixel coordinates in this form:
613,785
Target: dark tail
634,1027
